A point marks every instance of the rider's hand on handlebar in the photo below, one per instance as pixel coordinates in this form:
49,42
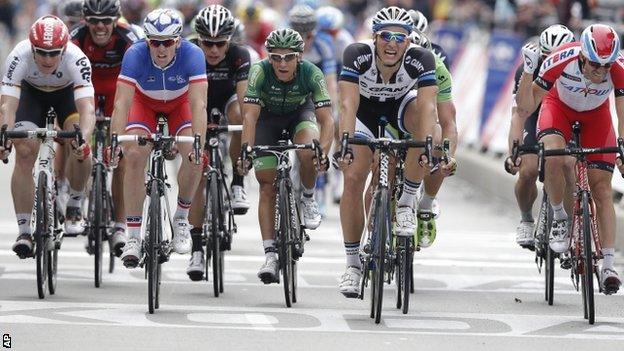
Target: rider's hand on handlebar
342,163
5,150
81,152
322,164
112,158
512,168
449,167
243,166
204,159
620,165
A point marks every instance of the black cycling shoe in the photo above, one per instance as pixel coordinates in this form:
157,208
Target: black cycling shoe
23,246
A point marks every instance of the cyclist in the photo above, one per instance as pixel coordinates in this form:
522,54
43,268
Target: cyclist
330,20
42,72
285,92
162,74
227,68
239,37
523,128
105,40
574,84
421,25
71,13
377,80
256,28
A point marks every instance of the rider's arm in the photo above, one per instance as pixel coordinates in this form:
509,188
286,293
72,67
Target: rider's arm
517,122
242,75
15,71
349,103
446,107
86,110
8,107
322,104
526,101
197,95
619,109
123,100
426,111
251,103
332,87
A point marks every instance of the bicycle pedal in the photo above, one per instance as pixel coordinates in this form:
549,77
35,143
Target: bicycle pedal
239,211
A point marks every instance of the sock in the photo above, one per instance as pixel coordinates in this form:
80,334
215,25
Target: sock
134,227
196,236
353,254
410,189
237,179
426,202
559,212
269,248
75,198
183,209
527,216
23,222
62,184
119,226
309,193
609,258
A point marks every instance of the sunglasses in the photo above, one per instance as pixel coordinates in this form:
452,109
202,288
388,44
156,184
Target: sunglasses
50,53
210,43
283,57
388,36
105,20
166,43
597,65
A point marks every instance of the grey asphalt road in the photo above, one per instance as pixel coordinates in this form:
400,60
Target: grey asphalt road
475,290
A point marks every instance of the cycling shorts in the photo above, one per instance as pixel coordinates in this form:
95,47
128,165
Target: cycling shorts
369,112
143,114
34,105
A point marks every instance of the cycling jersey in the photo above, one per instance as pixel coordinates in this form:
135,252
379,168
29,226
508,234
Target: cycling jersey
439,52
417,70
444,80
561,69
224,76
105,60
74,69
161,89
279,98
529,136
322,53
342,39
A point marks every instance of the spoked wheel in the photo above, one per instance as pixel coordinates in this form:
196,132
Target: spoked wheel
41,234
97,225
405,278
285,243
215,241
153,243
588,262
52,268
549,275
380,233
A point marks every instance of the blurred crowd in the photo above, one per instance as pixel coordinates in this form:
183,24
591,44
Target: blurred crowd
526,17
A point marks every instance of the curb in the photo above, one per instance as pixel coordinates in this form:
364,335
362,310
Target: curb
486,172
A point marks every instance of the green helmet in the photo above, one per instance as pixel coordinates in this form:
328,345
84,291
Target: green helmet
284,39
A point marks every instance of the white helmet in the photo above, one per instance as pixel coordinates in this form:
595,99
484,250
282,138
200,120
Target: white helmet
392,16
163,23
554,36
215,21
420,21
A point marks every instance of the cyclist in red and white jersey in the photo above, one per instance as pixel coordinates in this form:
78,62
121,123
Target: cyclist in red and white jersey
574,84
42,72
104,39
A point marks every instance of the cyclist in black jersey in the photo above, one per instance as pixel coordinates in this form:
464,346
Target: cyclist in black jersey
227,69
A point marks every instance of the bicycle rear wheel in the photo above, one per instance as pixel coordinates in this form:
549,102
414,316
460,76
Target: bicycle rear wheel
153,244
41,233
284,240
588,262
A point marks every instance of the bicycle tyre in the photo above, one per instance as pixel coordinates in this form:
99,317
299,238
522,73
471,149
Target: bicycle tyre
296,235
381,230
152,247
588,262
41,214
97,225
284,240
406,277
215,242
549,272
53,254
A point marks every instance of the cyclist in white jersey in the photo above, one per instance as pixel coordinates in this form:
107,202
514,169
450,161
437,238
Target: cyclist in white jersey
47,71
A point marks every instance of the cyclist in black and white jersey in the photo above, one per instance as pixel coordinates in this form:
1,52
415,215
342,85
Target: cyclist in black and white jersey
382,77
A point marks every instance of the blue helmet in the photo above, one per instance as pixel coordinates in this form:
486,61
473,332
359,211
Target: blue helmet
163,23
329,18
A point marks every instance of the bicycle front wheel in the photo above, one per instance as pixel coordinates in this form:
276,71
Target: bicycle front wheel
41,233
153,248
406,256
97,226
283,239
588,261
215,241
381,231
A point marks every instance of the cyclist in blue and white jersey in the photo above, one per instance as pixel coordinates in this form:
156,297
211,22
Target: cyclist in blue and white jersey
162,74
330,20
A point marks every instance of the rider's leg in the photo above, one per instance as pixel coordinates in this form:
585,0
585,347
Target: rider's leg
23,191
268,273
78,173
305,132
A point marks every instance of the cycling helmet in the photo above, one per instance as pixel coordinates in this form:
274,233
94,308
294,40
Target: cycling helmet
329,18
284,39
302,18
600,43
554,36
420,39
250,12
238,35
49,33
163,23
101,8
392,16
420,21
215,21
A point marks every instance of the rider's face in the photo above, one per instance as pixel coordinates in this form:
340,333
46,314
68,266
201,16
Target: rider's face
390,44
163,51
47,61
214,48
100,29
595,72
284,62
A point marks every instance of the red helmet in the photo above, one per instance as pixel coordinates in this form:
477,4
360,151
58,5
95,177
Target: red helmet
49,33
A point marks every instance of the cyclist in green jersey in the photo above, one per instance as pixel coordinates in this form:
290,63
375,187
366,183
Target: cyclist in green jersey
285,92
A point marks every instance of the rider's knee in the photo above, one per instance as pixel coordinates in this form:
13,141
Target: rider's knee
234,115
602,191
267,189
134,157
353,180
528,174
25,154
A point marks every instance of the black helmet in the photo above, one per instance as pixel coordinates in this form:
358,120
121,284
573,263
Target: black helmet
101,8
71,11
